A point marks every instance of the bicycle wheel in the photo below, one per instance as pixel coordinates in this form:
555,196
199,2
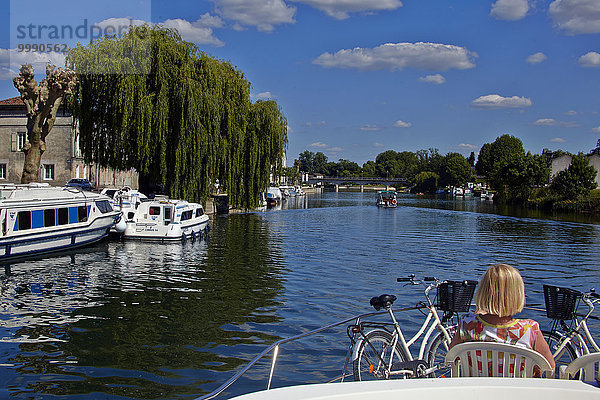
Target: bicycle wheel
376,346
436,356
567,354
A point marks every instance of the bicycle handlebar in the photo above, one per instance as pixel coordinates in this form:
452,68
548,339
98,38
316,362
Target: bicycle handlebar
593,294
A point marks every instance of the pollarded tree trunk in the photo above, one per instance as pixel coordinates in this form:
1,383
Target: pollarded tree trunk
42,102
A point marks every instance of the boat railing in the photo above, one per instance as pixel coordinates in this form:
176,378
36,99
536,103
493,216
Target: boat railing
274,349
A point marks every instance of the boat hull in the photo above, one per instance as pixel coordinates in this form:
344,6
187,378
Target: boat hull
168,233
39,219
32,244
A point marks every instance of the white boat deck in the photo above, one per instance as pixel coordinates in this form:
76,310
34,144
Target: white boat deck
446,389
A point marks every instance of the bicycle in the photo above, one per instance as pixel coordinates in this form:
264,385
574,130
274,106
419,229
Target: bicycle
572,339
383,352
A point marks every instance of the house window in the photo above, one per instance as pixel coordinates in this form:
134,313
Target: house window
2,171
21,140
48,172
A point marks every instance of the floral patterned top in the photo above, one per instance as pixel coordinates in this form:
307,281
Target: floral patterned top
521,332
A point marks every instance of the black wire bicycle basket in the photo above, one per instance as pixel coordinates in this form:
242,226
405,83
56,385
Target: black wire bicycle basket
561,303
455,296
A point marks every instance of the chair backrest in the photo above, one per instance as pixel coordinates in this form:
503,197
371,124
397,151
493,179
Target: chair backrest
588,364
490,359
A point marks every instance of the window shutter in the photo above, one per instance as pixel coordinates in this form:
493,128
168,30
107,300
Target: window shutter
13,141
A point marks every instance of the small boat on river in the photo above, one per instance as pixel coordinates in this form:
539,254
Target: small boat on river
158,219
273,196
387,198
38,219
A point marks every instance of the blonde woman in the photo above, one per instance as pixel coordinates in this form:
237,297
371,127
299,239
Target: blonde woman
499,296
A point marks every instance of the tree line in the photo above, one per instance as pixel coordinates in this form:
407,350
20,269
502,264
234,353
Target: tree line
514,174
153,102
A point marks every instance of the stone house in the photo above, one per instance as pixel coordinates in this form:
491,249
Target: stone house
561,163
62,159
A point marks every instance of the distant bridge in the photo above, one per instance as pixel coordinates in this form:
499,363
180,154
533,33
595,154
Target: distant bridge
338,180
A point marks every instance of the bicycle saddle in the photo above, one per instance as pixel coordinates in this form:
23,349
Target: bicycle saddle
384,301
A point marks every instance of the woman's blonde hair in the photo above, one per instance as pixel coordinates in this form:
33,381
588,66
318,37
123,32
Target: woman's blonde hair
501,291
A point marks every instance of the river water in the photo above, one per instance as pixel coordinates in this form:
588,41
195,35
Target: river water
134,320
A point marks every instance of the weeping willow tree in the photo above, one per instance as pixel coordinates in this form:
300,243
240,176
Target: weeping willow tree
153,102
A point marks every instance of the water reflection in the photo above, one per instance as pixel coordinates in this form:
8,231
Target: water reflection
141,320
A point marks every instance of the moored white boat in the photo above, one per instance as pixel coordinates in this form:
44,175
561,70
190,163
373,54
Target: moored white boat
38,218
274,196
165,220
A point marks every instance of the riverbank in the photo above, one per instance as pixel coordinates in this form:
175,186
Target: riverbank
589,204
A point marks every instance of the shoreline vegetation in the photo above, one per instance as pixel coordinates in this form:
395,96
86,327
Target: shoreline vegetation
503,167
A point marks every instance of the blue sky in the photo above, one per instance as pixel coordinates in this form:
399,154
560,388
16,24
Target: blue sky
357,77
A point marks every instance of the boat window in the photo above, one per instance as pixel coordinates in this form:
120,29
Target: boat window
167,212
186,215
37,219
63,216
24,220
130,215
199,212
50,217
82,213
154,211
104,206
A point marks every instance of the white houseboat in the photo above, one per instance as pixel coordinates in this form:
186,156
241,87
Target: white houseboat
164,219
38,218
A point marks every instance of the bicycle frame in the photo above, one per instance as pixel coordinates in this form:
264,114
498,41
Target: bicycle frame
581,333
428,327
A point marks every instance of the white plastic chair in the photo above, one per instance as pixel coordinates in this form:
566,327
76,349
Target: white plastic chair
464,360
588,364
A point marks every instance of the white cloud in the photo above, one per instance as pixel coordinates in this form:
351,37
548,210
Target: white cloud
576,16
558,140
402,124
571,112
467,146
553,122
200,31
370,128
545,122
509,10
318,123
335,149
536,58
590,60
262,14
263,96
340,9
437,79
396,56
12,59
377,144
596,129
319,145
494,101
